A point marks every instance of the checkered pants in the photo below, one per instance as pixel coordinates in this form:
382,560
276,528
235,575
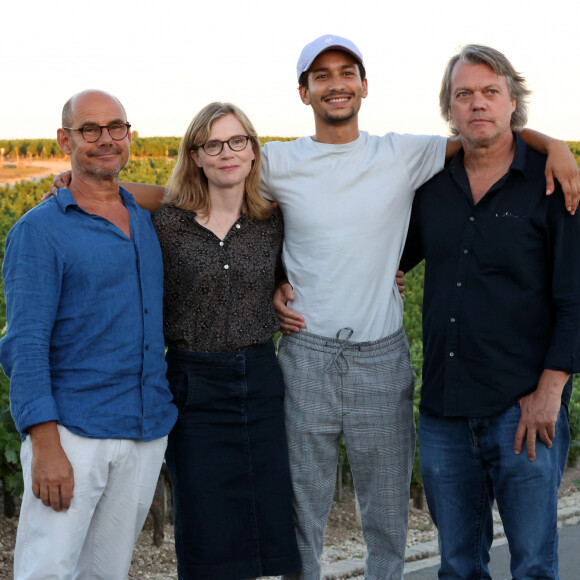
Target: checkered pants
364,391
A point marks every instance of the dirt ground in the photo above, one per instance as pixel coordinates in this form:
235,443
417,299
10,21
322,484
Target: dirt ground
44,167
152,563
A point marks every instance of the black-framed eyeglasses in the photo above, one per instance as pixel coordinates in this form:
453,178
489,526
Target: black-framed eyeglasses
235,143
92,132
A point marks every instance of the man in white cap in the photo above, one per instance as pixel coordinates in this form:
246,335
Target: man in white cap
346,198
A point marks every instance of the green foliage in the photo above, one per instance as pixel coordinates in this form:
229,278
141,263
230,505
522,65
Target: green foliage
264,140
155,146
17,199
38,148
10,469
48,148
413,327
575,148
574,419
13,203
148,170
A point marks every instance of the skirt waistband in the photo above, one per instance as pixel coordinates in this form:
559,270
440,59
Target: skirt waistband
249,354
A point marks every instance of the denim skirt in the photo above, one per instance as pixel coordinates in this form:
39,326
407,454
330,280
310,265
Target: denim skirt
228,460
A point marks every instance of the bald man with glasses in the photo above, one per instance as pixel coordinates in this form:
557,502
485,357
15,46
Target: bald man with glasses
84,353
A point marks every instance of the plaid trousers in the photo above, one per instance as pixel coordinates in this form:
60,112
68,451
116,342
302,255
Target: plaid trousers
365,391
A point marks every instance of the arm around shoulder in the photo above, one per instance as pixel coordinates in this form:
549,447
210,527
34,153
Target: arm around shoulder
146,195
453,146
560,165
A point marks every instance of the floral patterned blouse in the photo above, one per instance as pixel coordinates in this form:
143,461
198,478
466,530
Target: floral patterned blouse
218,294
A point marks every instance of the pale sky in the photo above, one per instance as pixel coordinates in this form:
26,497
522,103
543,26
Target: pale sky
166,60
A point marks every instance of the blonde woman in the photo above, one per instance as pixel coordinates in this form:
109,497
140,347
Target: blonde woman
227,455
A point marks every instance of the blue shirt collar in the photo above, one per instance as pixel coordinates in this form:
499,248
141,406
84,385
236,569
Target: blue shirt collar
66,199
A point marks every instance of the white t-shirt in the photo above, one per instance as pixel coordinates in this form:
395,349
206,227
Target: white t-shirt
346,211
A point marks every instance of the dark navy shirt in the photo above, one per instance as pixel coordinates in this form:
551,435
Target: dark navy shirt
84,344
502,287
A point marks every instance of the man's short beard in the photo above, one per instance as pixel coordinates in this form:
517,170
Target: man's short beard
100,174
339,120
482,142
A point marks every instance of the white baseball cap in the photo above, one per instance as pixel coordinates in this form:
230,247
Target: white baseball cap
322,44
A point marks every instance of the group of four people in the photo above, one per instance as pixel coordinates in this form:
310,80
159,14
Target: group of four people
253,438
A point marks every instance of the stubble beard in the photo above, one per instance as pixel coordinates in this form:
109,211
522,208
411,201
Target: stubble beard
484,142
100,174
489,140
338,120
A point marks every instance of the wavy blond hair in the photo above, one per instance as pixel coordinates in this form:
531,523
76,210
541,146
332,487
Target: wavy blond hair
187,187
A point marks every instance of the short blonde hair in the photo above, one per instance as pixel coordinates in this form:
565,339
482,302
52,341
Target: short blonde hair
187,187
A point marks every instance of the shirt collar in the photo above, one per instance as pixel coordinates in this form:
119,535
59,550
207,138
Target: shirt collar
518,162
65,198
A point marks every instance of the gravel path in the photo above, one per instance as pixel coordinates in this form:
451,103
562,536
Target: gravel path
344,546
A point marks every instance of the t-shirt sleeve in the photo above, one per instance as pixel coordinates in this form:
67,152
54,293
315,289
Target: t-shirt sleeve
423,155
265,173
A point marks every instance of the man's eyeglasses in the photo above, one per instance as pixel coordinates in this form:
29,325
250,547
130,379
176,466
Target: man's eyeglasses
235,143
92,132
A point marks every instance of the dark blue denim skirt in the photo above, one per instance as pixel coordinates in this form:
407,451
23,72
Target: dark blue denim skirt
228,460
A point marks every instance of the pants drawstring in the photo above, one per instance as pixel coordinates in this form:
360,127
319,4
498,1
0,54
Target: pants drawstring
338,359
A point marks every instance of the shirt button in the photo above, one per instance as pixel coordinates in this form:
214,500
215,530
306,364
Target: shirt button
143,382
146,347
146,310
451,354
238,226
453,320
471,219
226,267
459,284
466,251
221,243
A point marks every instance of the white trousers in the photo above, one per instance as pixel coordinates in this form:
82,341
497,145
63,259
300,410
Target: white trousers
115,482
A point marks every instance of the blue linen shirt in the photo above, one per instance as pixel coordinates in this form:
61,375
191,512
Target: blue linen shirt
502,287
84,343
